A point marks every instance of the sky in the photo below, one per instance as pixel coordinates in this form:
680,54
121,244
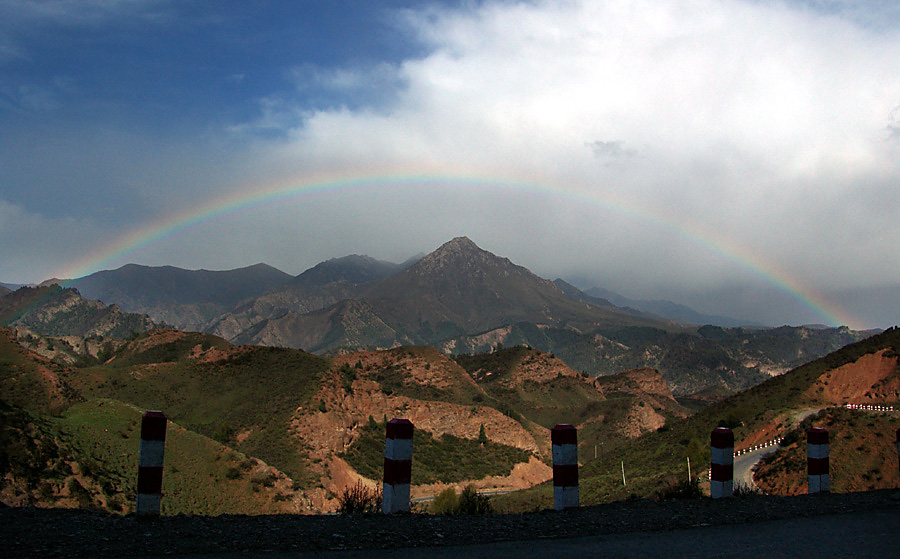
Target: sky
738,156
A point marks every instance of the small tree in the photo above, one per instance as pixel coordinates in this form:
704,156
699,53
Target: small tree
482,436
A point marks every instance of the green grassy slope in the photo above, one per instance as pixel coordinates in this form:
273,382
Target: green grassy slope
31,383
200,475
248,395
88,456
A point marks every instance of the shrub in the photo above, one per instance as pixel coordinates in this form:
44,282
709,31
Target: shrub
467,502
681,490
265,479
470,502
359,499
232,473
445,502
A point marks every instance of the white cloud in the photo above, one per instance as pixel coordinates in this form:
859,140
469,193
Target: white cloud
762,123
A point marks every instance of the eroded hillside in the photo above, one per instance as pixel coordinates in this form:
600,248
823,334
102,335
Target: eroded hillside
295,429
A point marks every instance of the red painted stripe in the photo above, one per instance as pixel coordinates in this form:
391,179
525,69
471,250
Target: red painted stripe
722,472
817,466
565,476
399,429
722,437
564,434
153,426
397,471
150,480
817,435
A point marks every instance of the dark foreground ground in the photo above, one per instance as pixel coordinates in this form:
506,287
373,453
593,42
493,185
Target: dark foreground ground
27,532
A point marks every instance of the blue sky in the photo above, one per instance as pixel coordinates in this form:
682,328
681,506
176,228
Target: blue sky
163,70
708,151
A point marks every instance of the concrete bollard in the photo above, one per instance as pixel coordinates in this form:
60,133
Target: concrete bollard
150,463
817,460
721,482
398,445
564,438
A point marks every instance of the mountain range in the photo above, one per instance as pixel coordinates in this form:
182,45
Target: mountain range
459,299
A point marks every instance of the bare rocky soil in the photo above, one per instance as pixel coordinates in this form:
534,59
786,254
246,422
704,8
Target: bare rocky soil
29,532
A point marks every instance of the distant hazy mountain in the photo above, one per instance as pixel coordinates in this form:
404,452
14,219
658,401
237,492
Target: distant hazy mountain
354,269
184,298
322,286
881,305
667,309
458,289
579,295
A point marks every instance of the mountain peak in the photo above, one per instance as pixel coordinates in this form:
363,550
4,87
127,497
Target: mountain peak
461,243
456,247
456,250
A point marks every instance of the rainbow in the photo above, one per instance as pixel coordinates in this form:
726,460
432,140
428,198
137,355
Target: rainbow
232,204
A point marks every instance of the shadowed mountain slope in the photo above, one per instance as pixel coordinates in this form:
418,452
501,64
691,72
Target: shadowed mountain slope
320,287
354,269
183,298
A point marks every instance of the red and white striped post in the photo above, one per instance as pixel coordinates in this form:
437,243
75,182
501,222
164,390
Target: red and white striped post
398,446
721,481
817,460
150,463
564,438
